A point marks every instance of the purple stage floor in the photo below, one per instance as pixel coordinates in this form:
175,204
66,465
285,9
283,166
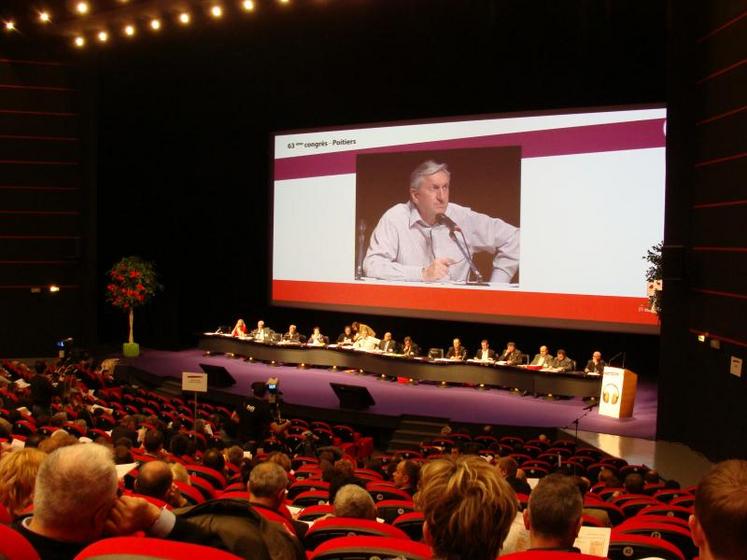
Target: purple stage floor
310,387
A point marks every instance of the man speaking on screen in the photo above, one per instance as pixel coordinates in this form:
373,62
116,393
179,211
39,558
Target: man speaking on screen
427,238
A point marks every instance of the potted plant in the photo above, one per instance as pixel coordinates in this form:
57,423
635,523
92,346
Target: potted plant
132,283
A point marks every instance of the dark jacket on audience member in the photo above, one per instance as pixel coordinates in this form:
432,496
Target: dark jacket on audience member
235,526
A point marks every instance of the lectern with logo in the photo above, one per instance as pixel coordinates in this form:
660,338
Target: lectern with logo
618,392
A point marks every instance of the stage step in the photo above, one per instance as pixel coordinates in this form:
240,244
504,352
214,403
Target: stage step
413,430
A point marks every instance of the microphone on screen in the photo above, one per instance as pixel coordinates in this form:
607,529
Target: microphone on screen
448,222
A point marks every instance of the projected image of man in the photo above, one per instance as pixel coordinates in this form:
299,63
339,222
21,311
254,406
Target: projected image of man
412,240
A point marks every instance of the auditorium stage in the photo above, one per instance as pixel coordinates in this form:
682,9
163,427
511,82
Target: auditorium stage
310,387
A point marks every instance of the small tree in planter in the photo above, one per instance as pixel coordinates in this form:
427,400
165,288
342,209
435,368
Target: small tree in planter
132,283
654,277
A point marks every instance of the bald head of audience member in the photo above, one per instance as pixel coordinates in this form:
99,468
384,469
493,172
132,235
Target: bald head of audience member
353,501
267,484
468,508
155,479
553,515
720,518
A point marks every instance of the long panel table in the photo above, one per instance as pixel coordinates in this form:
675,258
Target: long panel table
575,384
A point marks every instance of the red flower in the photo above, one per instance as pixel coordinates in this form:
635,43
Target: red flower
134,274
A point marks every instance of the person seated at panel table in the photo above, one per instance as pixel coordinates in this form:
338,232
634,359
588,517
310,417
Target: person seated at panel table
261,333
409,348
361,330
366,340
457,351
543,359
292,335
346,337
562,362
511,356
485,353
388,344
596,364
317,338
240,329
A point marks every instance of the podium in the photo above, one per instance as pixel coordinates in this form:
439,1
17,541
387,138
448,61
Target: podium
618,392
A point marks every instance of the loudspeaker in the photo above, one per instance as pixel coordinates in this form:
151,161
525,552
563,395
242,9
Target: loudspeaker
218,376
352,396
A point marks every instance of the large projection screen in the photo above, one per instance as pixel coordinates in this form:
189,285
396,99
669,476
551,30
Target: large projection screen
557,210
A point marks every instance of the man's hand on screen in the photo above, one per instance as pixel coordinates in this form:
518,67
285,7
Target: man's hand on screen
437,270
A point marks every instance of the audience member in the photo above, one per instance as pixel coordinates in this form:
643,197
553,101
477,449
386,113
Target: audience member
553,515
122,455
75,498
153,444
127,428
268,483
719,524
468,508
342,475
634,484
156,480
509,468
18,471
353,501
57,440
406,475
212,458
609,478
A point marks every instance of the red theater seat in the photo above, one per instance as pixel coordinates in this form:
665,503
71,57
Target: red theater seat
412,524
190,493
668,510
381,492
305,486
389,510
14,546
275,517
636,547
215,478
148,548
312,513
678,536
548,555
355,548
311,498
334,527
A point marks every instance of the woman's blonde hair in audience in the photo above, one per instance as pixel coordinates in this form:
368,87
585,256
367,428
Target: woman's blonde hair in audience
468,507
18,477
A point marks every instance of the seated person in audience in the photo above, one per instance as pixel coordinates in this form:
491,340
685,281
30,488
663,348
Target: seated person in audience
596,364
212,458
240,329
17,478
267,486
511,356
562,362
75,501
365,339
720,518
342,474
609,478
387,344
652,477
153,444
468,508
485,353
543,359
409,348
292,335
346,337
127,428
584,484
317,338
123,455
261,333
553,515
406,476
457,351
353,501
634,484
509,469
156,480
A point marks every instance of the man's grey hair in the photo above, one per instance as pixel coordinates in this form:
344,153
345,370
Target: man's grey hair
426,169
267,479
73,484
353,501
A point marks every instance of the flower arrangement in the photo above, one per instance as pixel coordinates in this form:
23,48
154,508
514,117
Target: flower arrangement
132,283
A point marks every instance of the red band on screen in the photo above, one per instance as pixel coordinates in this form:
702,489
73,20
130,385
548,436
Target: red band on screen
612,309
541,143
